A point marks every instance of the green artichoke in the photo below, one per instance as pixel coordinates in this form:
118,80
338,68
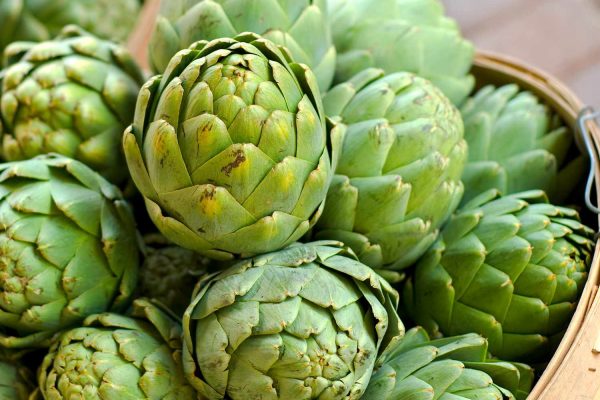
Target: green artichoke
39,20
306,322
509,268
67,248
73,95
449,368
402,35
15,381
169,273
118,357
300,25
229,148
517,144
398,177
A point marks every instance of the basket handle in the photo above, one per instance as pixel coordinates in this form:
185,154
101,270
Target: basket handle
585,115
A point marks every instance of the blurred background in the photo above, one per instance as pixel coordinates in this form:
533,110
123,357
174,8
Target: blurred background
561,37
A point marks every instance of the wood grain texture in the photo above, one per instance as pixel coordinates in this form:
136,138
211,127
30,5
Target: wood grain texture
140,37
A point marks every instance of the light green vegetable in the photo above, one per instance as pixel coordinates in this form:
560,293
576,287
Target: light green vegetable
117,357
509,268
73,95
517,144
402,35
229,148
398,177
299,25
451,368
39,20
307,322
67,248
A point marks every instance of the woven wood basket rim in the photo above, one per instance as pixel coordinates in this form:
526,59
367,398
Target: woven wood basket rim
500,69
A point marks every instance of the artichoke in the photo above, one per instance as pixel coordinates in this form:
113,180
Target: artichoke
229,148
455,367
169,273
402,35
300,25
306,322
39,20
118,357
509,268
73,95
517,144
15,381
398,177
67,248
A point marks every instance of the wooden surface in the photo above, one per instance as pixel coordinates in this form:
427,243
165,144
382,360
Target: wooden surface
559,36
138,41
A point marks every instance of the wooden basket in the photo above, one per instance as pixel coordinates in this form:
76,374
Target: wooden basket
574,371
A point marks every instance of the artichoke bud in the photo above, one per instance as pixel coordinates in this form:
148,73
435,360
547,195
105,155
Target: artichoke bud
454,366
114,356
301,26
24,20
72,95
510,268
308,321
68,248
516,143
402,35
229,148
399,169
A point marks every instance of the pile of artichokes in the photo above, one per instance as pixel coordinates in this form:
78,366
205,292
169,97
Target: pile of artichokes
299,184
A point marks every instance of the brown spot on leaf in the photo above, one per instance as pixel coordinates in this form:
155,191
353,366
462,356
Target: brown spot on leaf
239,158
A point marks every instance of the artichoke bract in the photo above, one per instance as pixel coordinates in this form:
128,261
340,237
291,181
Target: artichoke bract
517,144
169,273
509,268
229,148
398,176
454,367
118,357
300,25
39,20
73,95
15,381
306,322
67,248
402,35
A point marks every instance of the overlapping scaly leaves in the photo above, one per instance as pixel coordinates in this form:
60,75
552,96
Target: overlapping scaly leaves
229,148
509,268
169,273
398,177
306,322
118,357
73,95
454,368
402,35
300,25
67,248
517,144
39,20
